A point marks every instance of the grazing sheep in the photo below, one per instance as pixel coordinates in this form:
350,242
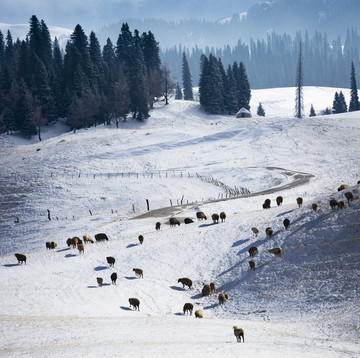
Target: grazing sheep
74,241
99,281
314,207
222,216
286,223
113,278
279,200
255,231
69,242
269,231
343,187
212,287
199,314
52,245
349,196
252,265
185,282
188,221
111,261
238,333
253,251
188,307
206,290
201,216
101,237
135,303
141,239
21,258
341,204
222,298
299,201
47,245
267,204
174,222
87,239
215,218
157,226
276,251
138,272
333,203
81,248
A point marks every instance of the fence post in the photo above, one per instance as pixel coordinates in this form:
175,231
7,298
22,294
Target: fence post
147,204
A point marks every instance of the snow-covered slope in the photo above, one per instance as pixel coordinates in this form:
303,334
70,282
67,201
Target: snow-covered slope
302,304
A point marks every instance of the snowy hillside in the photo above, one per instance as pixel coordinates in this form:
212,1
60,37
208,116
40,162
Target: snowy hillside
304,303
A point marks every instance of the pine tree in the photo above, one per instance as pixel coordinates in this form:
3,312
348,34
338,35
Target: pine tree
230,92
187,81
299,103
312,111
339,103
178,92
260,110
7,120
354,100
243,87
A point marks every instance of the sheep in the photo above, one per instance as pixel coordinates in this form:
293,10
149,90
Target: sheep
314,207
188,221
101,237
215,218
343,187
279,200
47,245
135,303
201,216
255,231
222,298
349,196
21,258
276,251
185,282
138,272
333,203
238,333
111,261
188,307
50,245
69,242
141,239
113,278
252,265
81,248
157,226
206,290
87,239
212,287
269,231
174,222
222,216
299,201
199,314
99,281
253,251
341,204
266,204
286,223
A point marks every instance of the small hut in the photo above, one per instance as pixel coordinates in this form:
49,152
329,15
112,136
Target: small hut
243,113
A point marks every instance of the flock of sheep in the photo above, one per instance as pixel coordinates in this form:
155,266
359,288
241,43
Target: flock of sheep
207,289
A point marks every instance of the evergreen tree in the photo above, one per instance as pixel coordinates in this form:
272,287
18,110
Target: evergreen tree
312,111
354,100
2,50
108,54
260,110
339,103
187,81
243,86
178,91
299,103
7,120
230,92
97,62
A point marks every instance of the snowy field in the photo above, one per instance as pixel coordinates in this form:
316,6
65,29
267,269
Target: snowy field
305,303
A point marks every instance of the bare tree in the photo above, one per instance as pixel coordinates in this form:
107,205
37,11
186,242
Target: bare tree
167,84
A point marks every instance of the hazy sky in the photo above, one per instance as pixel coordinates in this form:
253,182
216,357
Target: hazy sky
92,14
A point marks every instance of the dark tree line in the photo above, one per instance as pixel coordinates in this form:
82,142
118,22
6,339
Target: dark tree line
220,91
85,84
272,62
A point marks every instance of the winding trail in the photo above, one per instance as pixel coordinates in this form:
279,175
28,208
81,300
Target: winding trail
296,179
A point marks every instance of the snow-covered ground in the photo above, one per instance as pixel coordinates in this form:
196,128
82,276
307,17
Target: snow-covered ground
302,304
